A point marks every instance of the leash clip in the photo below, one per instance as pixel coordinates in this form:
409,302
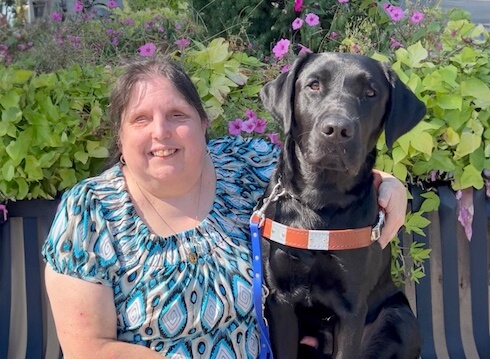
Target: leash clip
274,196
376,231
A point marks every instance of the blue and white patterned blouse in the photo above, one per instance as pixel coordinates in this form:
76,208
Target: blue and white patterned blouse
163,300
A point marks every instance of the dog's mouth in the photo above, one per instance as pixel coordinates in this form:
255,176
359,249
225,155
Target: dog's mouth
334,158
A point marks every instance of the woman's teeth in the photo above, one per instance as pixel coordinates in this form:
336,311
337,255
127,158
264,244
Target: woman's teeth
163,153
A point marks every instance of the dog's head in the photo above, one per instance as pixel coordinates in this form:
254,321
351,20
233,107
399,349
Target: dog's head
334,106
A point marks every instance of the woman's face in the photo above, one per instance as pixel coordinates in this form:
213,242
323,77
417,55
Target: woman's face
162,137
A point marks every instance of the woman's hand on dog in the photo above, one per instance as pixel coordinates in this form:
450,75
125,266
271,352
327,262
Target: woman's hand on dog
392,198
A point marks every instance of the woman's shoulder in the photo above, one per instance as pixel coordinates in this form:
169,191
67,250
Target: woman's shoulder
109,183
239,147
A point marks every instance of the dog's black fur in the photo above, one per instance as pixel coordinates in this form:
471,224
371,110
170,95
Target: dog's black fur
333,108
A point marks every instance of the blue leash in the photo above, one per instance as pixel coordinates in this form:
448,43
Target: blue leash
265,350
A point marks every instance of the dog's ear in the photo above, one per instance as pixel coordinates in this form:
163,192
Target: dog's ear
404,109
278,95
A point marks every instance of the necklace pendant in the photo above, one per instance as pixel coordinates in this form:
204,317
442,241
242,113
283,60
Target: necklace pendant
192,257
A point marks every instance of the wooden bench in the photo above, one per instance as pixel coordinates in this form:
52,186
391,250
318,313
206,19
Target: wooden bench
451,302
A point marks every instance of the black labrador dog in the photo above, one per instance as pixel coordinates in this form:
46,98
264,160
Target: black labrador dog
333,107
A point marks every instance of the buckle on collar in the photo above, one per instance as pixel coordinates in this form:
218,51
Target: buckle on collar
376,231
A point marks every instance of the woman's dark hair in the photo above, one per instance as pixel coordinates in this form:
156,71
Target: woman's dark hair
145,71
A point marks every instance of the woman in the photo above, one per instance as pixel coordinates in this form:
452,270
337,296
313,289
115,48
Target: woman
155,251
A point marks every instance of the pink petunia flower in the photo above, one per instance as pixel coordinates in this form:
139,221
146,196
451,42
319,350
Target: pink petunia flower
333,35
286,68
304,50
129,21
249,125
182,43
417,17
297,23
250,114
21,47
3,49
147,50
274,138
260,125
395,44
298,5
281,48
112,4
396,13
386,6
115,41
312,19
78,6
235,127
57,17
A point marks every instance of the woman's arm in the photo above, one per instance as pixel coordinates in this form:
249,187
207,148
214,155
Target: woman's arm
392,197
85,318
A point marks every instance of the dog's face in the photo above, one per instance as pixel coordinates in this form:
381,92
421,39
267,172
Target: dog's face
334,106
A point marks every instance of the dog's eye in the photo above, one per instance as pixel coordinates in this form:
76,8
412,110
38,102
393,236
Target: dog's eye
370,93
314,85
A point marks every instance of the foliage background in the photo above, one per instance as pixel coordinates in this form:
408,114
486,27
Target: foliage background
56,73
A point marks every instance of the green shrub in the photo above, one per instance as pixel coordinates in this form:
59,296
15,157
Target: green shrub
51,130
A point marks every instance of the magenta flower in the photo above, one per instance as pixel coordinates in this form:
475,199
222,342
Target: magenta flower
333,35
281,48
57,17
396,13
21,47
129,21
297,23
417,17
147,50
182,43
115,41
356,48
312,19
304,50
343,1
235,127
250,114
112,4
274,138
260,125
78,6
286,68
298,5
249,125
386,6
3,49
394,44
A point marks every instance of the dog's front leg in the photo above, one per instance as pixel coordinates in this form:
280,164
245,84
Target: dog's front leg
283,328
348,335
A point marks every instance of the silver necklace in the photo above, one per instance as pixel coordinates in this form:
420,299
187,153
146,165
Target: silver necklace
192,254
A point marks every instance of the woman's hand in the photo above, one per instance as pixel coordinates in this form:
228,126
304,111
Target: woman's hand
392,197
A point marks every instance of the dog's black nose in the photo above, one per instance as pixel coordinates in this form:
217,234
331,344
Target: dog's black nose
338,129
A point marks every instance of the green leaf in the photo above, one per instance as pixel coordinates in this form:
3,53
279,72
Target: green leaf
431,202
8,170
33,169
469,142
95,150
451,137
449,102
81,156
422,142
20,77
400,171
478,89
10,99
18,149
471,177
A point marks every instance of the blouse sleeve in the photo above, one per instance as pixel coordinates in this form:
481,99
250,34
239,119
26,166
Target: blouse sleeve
78,243
246,165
